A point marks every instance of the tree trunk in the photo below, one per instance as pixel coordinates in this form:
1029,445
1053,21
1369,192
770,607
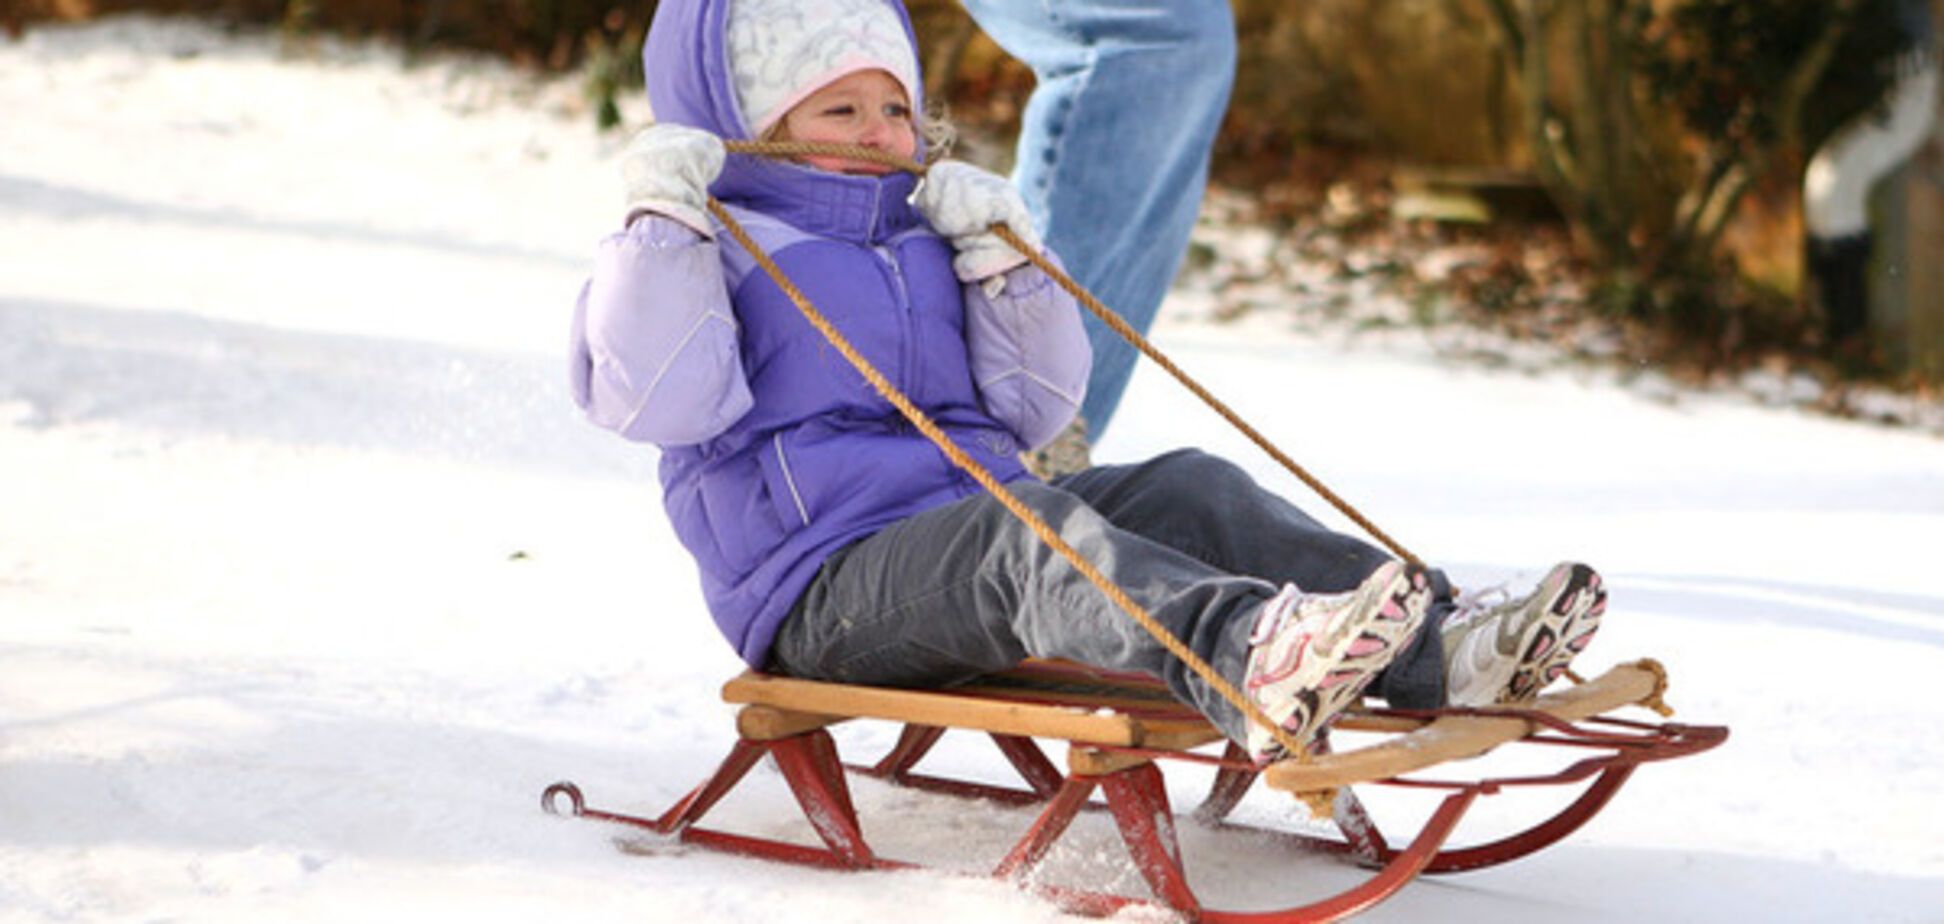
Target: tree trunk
1924,287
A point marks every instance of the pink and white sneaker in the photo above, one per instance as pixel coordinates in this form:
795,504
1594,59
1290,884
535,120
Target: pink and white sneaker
1508,652
1311,655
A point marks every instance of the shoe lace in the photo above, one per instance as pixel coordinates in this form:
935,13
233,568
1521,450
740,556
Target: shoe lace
1275,611
1471,603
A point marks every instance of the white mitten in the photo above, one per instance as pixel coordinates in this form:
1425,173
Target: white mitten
667,170
961,202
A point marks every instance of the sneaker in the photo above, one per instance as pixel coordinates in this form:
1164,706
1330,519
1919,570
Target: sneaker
1508,652
1311,655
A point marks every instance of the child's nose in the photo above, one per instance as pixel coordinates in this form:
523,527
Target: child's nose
877,131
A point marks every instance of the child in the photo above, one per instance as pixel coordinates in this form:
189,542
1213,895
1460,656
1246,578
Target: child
834,540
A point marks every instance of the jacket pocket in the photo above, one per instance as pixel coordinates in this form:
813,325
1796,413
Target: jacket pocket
786,491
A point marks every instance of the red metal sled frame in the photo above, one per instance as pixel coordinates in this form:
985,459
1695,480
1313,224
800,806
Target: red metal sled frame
1135,795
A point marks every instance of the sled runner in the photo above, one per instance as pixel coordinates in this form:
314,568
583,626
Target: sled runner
1120,730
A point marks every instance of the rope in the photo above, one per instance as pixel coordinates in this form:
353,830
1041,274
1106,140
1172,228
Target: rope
826,149
1012,503
1655,700
1006,498
1101,311
1134,337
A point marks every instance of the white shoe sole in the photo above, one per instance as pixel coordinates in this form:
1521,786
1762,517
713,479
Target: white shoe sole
1577,602
1332,671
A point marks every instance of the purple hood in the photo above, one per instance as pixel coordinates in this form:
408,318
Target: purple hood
685,63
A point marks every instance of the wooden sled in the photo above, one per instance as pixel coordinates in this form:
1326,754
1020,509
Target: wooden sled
1119,727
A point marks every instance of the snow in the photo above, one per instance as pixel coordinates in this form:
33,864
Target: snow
311,580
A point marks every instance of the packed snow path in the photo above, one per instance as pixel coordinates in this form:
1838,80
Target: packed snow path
310,579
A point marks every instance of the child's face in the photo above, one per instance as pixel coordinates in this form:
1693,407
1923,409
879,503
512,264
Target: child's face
866,108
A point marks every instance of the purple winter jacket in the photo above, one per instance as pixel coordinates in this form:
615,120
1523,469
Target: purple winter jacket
775,451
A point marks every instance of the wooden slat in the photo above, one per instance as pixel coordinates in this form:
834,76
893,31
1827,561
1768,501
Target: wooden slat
1098,722
1460,737
1089,762
1352,720
934,707
768,723
1068,703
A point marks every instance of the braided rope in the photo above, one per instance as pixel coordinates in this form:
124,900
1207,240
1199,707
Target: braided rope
1012,503
985,478
827,149
1141,343
1101,311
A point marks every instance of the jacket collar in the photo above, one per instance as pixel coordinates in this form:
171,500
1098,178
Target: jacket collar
860,209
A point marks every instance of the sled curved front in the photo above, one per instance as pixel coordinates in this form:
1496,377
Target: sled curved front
1119,730
1441,736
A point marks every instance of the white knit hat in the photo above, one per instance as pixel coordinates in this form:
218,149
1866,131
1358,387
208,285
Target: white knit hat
781,51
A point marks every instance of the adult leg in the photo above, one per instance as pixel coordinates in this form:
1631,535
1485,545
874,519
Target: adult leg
967,589
1212,510
1114,147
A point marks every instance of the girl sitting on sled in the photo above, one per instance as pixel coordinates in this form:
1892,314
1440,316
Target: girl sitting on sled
835,541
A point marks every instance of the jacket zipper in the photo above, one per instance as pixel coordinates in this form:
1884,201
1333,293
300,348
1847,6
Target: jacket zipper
908,320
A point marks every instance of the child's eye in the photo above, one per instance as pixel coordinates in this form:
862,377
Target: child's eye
897,111
841,110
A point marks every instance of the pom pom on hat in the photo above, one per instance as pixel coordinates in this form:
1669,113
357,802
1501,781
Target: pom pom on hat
781,51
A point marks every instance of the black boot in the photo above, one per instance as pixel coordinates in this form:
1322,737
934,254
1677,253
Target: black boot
1840,267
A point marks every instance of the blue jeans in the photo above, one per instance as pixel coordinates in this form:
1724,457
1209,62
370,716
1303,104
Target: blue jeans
1114,149
967,589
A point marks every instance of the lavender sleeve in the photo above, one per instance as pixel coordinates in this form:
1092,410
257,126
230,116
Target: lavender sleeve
1028,352
654,354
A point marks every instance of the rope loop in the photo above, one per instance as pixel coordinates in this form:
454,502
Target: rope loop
992,485
890,392
1656,700
825,149
1132,336
1107,316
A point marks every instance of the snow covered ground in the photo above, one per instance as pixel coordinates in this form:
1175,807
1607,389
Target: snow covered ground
310,578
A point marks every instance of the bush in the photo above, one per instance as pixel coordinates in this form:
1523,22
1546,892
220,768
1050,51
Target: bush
1651,120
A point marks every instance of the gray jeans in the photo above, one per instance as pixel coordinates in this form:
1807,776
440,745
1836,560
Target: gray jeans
967,589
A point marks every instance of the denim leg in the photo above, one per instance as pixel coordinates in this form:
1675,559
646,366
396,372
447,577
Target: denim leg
1212,510
966,589
1114,147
